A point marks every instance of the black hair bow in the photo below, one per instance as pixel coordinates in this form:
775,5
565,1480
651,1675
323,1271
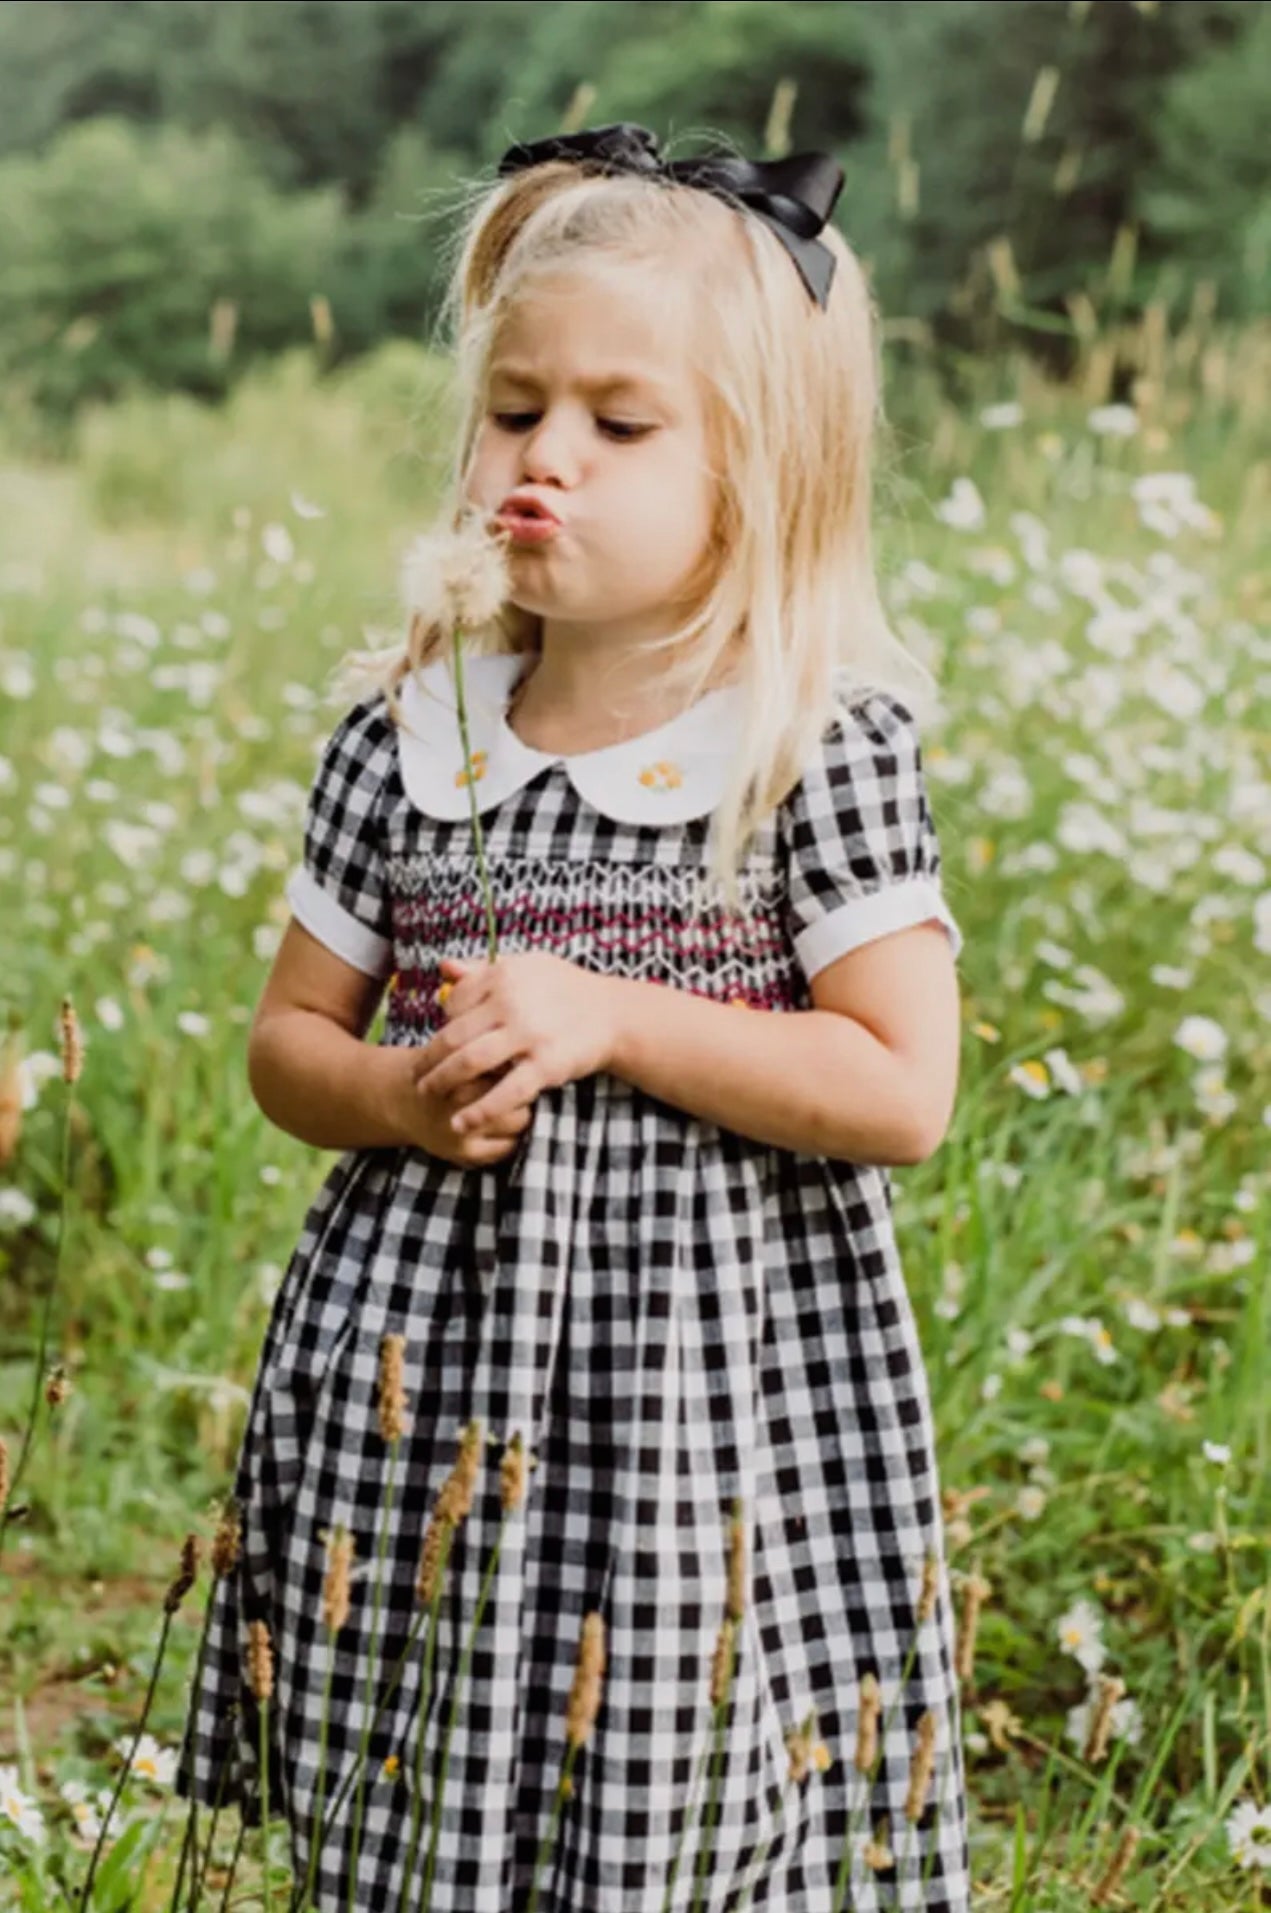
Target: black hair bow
793,196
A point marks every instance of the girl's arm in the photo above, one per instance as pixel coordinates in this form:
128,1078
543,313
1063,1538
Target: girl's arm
309,1068
869,1075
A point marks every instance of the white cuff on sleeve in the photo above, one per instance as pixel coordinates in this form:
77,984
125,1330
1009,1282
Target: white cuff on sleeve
861,919
330,923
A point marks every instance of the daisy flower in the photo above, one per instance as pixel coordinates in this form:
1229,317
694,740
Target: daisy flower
1249,1835
1080,1633
151,1762
19,1808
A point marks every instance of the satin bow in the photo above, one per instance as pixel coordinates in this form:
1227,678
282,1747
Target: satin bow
794,196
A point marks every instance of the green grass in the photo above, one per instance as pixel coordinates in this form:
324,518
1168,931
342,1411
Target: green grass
1101,792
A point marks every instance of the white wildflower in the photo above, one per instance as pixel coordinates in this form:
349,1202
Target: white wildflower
276,544
1249,1834
963,509
1080,1633
1113,421
1030,1503
1125,1722
16,1209
19,1808
151,1762
1202,1038
1000,417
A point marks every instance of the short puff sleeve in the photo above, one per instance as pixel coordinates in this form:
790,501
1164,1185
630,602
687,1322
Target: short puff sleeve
860,847
340,892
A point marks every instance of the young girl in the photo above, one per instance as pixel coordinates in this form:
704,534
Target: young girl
661,1251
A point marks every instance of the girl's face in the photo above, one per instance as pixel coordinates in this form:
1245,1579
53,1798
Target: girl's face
590,405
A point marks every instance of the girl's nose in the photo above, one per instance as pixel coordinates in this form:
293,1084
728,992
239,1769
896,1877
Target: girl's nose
547,456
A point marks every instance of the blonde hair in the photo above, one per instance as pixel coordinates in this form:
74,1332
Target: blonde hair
786,591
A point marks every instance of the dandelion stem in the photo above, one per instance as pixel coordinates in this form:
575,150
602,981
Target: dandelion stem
478,835
454,1708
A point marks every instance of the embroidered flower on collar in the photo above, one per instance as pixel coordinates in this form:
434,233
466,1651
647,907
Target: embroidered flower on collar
662,776
665,776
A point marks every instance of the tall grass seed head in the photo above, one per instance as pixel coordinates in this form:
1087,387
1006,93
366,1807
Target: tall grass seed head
10,1096
187,1573
512,1475
584,1698
226,1541
335,1587
72,1043
392,1396
260,1660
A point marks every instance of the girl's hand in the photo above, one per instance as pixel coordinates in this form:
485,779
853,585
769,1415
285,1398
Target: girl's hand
552,1021
424,1121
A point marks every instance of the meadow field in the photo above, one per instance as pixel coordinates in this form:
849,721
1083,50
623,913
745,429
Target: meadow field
1087,570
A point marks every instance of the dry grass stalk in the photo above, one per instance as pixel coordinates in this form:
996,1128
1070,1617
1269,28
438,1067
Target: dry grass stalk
877,1854
512,1475
227,1540
1111,1690
72,1043
430,1556
455,1499
722,1660
799,1747
10,1096
737,1565
335,1586
976,1592
930,1588
392,1395
187,1573
922,1767
1117,1866
260,1660
867,1726
584,1699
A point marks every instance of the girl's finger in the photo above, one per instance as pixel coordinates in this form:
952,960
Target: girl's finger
482,1056
515,1089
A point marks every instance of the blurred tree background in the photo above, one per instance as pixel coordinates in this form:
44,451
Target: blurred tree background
188,185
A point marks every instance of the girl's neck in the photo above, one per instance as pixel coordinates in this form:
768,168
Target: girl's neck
561,720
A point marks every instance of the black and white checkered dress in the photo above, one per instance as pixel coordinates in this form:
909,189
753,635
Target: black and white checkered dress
673,1315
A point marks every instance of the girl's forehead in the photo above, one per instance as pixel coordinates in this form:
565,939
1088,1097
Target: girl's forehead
598,333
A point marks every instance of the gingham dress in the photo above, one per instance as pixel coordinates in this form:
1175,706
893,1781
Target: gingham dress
672,1314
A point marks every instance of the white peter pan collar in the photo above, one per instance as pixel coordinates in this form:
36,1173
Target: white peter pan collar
665,776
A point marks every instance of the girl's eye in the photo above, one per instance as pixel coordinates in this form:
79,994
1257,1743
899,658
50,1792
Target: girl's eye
619,428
